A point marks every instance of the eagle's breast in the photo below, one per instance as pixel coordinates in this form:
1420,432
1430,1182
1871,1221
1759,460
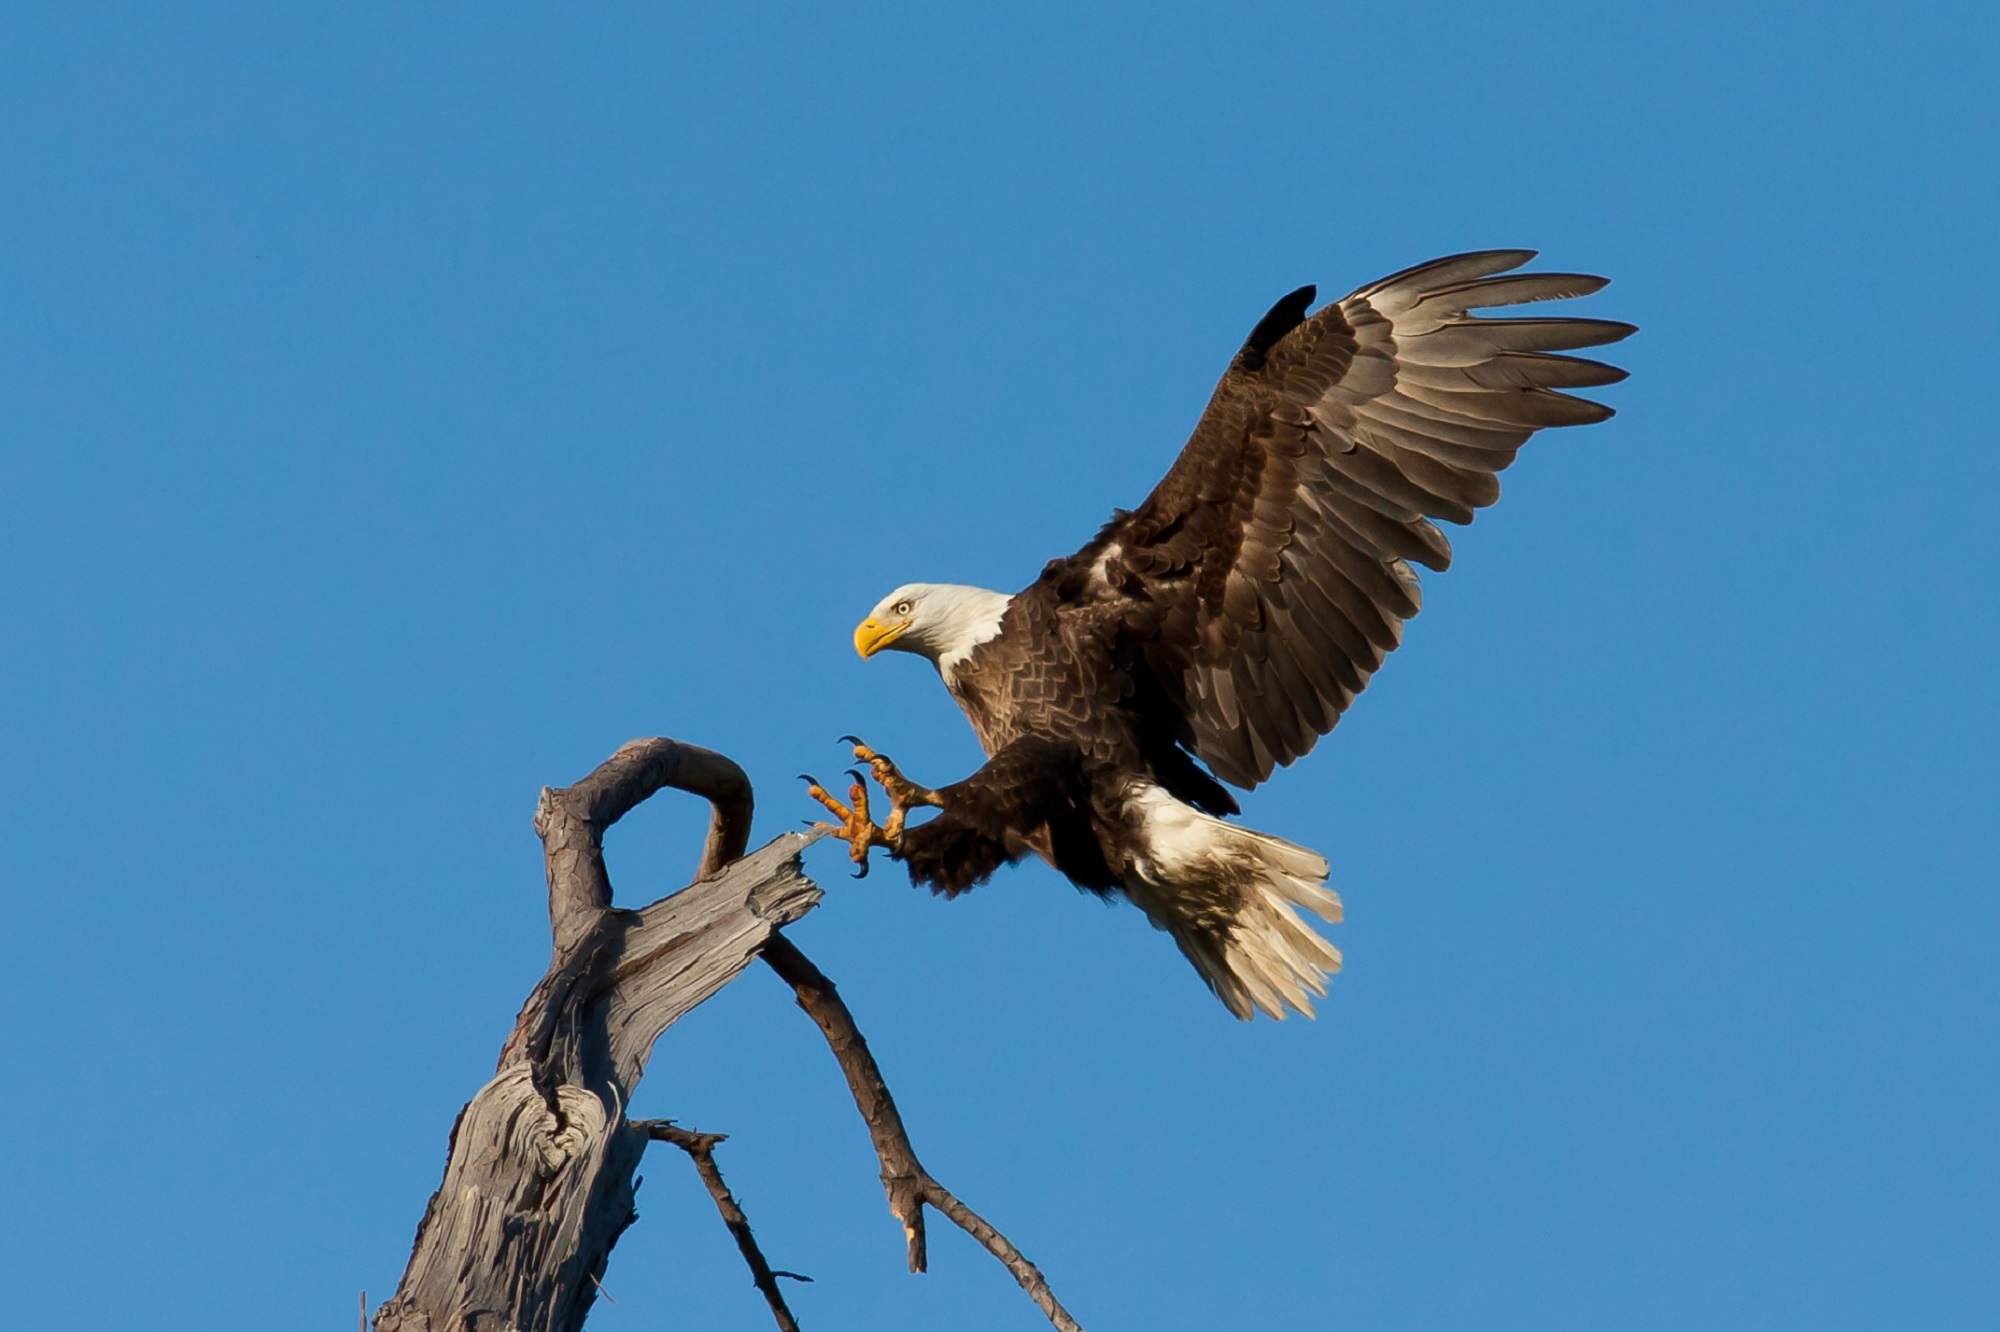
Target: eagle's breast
1045,674
972,683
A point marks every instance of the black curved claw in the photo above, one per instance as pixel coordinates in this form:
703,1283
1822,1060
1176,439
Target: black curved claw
862,873
850,740
809,778
857,776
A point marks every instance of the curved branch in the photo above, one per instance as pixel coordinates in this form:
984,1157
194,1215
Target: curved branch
904,1178
572,821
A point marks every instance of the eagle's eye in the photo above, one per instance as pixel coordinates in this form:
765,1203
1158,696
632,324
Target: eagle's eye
902,608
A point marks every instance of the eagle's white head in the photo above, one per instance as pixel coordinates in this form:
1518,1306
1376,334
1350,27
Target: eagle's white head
941,621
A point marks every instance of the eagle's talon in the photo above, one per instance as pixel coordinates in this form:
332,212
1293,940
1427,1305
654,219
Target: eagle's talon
856,827
826,798
904,794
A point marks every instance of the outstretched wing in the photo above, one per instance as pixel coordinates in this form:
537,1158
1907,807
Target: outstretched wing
1270,570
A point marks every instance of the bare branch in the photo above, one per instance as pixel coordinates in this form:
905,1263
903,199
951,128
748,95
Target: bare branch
1002,1248
633,974
902,1174
700,1147
904,1178
572,822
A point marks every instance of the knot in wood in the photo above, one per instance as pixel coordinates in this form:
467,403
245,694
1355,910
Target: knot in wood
558,1141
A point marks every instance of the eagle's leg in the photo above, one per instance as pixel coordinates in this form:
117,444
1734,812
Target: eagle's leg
855,828
904,794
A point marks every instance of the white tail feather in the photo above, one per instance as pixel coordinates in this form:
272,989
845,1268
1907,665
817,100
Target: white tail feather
1230,897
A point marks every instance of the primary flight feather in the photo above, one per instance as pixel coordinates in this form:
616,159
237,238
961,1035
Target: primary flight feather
1218,630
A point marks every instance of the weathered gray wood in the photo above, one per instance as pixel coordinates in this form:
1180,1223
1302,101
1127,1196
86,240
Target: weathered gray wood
538,1177
538,1184
572,821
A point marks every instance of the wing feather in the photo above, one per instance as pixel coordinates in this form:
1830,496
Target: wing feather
1512,370
1377,534
1271,567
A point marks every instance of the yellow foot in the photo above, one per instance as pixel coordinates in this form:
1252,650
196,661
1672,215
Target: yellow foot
855,828
904,794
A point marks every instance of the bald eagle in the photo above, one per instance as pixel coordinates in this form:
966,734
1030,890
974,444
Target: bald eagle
1214,633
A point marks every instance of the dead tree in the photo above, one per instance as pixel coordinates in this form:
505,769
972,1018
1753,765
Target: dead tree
538,1180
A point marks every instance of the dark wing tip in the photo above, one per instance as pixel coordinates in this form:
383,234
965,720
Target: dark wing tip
1280,319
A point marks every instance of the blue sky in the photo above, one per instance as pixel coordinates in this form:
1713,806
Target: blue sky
402,406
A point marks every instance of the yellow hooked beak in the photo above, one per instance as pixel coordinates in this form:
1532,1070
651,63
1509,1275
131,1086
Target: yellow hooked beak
871,635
